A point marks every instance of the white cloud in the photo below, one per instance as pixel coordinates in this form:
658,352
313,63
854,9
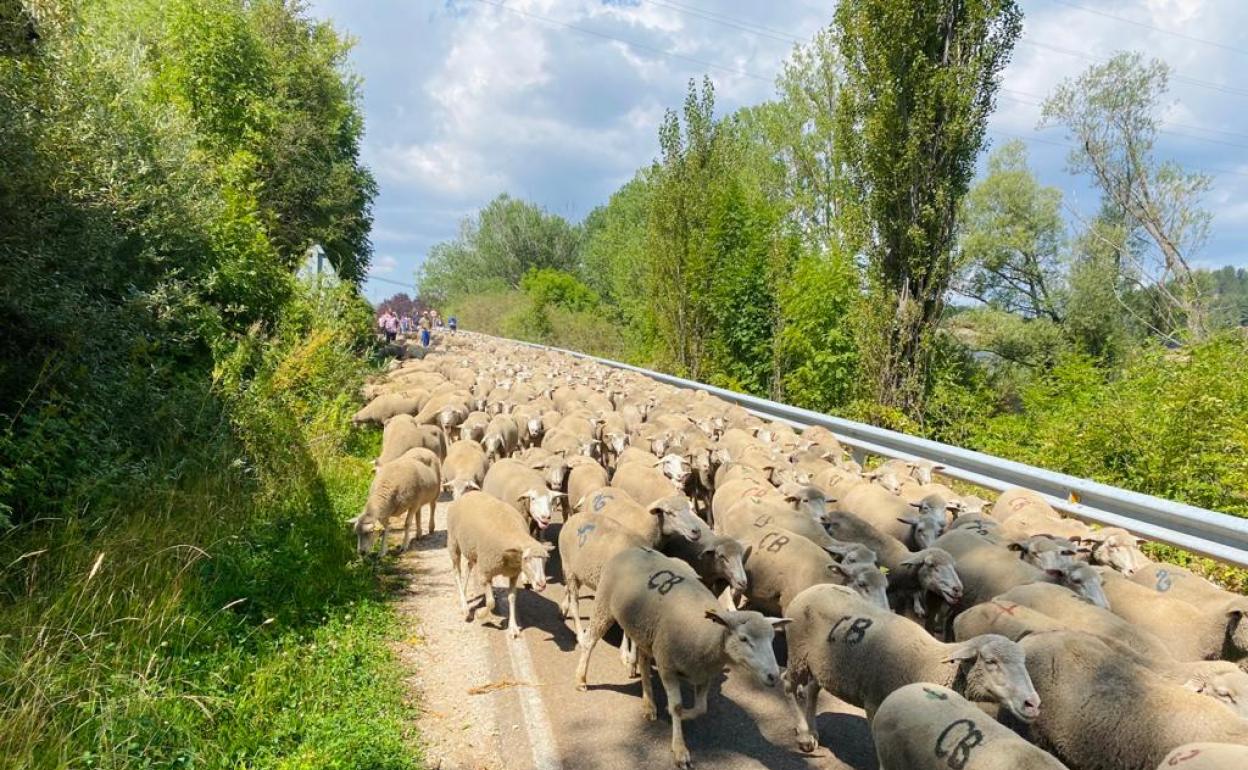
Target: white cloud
385,264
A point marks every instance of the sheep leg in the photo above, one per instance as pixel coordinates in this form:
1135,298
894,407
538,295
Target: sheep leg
587,640
488,583
700,693
801,701
459,583
648,709
513,627
676,710
433,509
412,518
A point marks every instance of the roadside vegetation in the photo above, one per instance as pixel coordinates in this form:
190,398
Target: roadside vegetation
177,585
803,250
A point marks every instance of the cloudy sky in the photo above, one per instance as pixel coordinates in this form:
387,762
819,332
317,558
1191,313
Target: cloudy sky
558,101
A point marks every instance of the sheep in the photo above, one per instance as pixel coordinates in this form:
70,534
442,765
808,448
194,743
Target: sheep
401,486
588,540
915,524
928,727
561,442
474,425
464,468
519,485
618,505
1206,756
584,477
501,437
1220,680
1117,548
809,499
718,560
746,521
779,565
487,533
1206,631
1018,500
553,467
935,576
402,433
528,424
1044,551
448,409
861,654
1024,513
1179,582
1104,711
387,405
676,623
987,569
643,483
632,454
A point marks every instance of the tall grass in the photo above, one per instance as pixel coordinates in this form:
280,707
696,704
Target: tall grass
215,618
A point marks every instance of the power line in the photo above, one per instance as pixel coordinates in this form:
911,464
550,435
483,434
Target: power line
1144,25
728,21
1212,170
1223,88
629,43
375,277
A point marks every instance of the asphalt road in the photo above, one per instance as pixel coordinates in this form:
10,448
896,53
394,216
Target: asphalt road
531,715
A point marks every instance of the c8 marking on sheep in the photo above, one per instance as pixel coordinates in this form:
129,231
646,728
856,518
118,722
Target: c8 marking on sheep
957,756
773,542
664,581
856,631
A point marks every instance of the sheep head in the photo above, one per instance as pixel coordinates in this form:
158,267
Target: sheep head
996,670
748,638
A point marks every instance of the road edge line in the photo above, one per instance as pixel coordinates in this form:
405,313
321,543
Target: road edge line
536,724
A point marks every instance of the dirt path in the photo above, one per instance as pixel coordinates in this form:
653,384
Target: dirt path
473,704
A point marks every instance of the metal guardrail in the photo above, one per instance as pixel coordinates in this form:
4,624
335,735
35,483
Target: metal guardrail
1209,533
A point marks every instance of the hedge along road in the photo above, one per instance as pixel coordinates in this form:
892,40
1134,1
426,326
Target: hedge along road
487,702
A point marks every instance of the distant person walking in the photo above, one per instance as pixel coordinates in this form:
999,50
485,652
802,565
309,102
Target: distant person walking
453,323
424,330
389,325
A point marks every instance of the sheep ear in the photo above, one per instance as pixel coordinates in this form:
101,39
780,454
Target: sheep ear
351,522
779,622
473,485
1194,685
1015,546
965,651
913,560
715,616
918,504
911,520
836,569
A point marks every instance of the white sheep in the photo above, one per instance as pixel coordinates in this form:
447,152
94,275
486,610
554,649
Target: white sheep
860,653
495,541
464,468
1103,711
780,564
1207,631
677,624
524,488
925,726
400,487
1206,756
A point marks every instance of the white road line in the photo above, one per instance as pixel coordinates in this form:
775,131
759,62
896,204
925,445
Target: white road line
541,736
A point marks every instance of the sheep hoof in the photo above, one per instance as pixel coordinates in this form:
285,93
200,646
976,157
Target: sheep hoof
649,713
683,760
807,745
514,633
582,686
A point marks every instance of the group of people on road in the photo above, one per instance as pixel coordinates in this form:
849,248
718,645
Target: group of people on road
391,325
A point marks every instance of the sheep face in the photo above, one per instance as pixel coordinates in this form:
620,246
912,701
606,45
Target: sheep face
936,574
1084,581
922,471
998,672
366,530
924,529
866,580
1237,626
676,518
729,556
616,441
459,487
534,425
556,471
1047,553
539,504
748,638
851,554
888,480
1225,683
533,564
1119,551
809,500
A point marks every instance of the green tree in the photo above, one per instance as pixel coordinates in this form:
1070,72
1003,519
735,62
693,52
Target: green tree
1111,111
497,247
920,80
681,263
1012,239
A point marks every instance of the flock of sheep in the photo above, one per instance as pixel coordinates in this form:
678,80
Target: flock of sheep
974,634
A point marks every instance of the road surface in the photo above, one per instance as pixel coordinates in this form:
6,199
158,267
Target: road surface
489,703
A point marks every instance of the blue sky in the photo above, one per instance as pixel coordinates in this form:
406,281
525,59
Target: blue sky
465,99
